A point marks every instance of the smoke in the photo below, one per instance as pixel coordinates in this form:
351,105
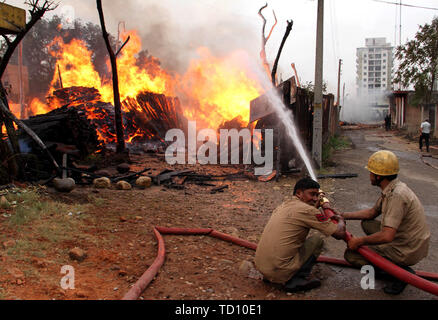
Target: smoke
172,30
370,108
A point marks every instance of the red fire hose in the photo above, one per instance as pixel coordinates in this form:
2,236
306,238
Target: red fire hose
390,267
141,284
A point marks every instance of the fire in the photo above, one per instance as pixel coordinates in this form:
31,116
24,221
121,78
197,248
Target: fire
213,90
39,107
220,89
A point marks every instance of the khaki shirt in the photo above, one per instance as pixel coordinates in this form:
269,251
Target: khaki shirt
278,255
401,210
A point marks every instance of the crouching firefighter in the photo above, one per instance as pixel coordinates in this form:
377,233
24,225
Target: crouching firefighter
402,235
285,255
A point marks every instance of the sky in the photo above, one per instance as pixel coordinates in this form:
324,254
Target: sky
172,30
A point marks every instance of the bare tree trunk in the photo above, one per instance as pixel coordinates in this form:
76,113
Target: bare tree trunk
265,40
14,161
6,154
117,104
36,12
274,68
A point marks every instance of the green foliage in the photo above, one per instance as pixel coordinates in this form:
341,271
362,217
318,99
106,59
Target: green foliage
419,61
311,88
334,143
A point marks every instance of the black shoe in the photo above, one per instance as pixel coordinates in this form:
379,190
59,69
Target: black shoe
397,286
300,284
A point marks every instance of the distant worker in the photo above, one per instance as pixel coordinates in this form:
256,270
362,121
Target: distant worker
284,255
425,134
402,236
388,122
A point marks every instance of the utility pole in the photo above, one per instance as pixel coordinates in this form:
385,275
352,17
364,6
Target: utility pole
317,103
343,96
338,97
20,80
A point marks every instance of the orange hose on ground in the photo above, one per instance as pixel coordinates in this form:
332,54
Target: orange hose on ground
142,283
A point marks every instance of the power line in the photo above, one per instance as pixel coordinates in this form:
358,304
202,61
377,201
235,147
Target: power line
406,5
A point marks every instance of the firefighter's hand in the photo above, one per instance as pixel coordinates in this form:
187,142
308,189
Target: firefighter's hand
355,243
338,217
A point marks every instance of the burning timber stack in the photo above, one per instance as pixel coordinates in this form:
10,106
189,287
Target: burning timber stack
80,124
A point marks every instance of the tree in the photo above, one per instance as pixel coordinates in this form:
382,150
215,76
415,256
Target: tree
41,65
37,10
117,104
419,60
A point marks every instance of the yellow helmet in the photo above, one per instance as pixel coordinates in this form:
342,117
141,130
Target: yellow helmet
383,163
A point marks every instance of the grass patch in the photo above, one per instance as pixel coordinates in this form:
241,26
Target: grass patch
43,223
98,202
335,143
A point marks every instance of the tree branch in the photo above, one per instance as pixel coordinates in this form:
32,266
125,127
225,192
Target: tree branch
36,12
274,68
124,44
265,39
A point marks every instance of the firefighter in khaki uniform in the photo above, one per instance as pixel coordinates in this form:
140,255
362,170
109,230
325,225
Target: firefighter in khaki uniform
284,255
402,235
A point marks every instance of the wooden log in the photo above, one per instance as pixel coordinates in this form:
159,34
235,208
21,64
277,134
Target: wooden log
66,125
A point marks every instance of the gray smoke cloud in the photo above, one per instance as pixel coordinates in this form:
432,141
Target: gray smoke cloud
172,30
364,109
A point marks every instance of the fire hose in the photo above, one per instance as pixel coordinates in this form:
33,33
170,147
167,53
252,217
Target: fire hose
388,266
142,283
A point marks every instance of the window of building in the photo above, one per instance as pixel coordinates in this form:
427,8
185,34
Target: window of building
364,73
377,86
370,68
370,86
384,73
384,60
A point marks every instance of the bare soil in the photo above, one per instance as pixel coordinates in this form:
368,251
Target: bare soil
115,229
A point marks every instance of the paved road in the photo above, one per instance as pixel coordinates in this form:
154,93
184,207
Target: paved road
358,193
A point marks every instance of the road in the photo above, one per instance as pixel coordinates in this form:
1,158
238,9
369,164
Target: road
357,193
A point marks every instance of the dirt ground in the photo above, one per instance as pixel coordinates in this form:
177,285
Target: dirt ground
115,229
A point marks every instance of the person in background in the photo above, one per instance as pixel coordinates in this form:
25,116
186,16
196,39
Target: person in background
388,122
425,134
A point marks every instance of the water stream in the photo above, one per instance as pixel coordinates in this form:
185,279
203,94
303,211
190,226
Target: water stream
286,117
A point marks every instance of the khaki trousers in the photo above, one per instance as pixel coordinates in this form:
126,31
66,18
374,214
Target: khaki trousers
355,258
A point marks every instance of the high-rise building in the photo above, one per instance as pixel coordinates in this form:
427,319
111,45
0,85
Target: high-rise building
374,70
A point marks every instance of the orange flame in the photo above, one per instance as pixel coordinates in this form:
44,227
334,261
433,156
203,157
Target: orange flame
212,91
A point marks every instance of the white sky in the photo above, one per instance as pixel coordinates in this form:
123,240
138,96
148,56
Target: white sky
170,28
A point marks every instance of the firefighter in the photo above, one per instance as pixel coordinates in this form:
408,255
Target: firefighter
402,235
285,255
